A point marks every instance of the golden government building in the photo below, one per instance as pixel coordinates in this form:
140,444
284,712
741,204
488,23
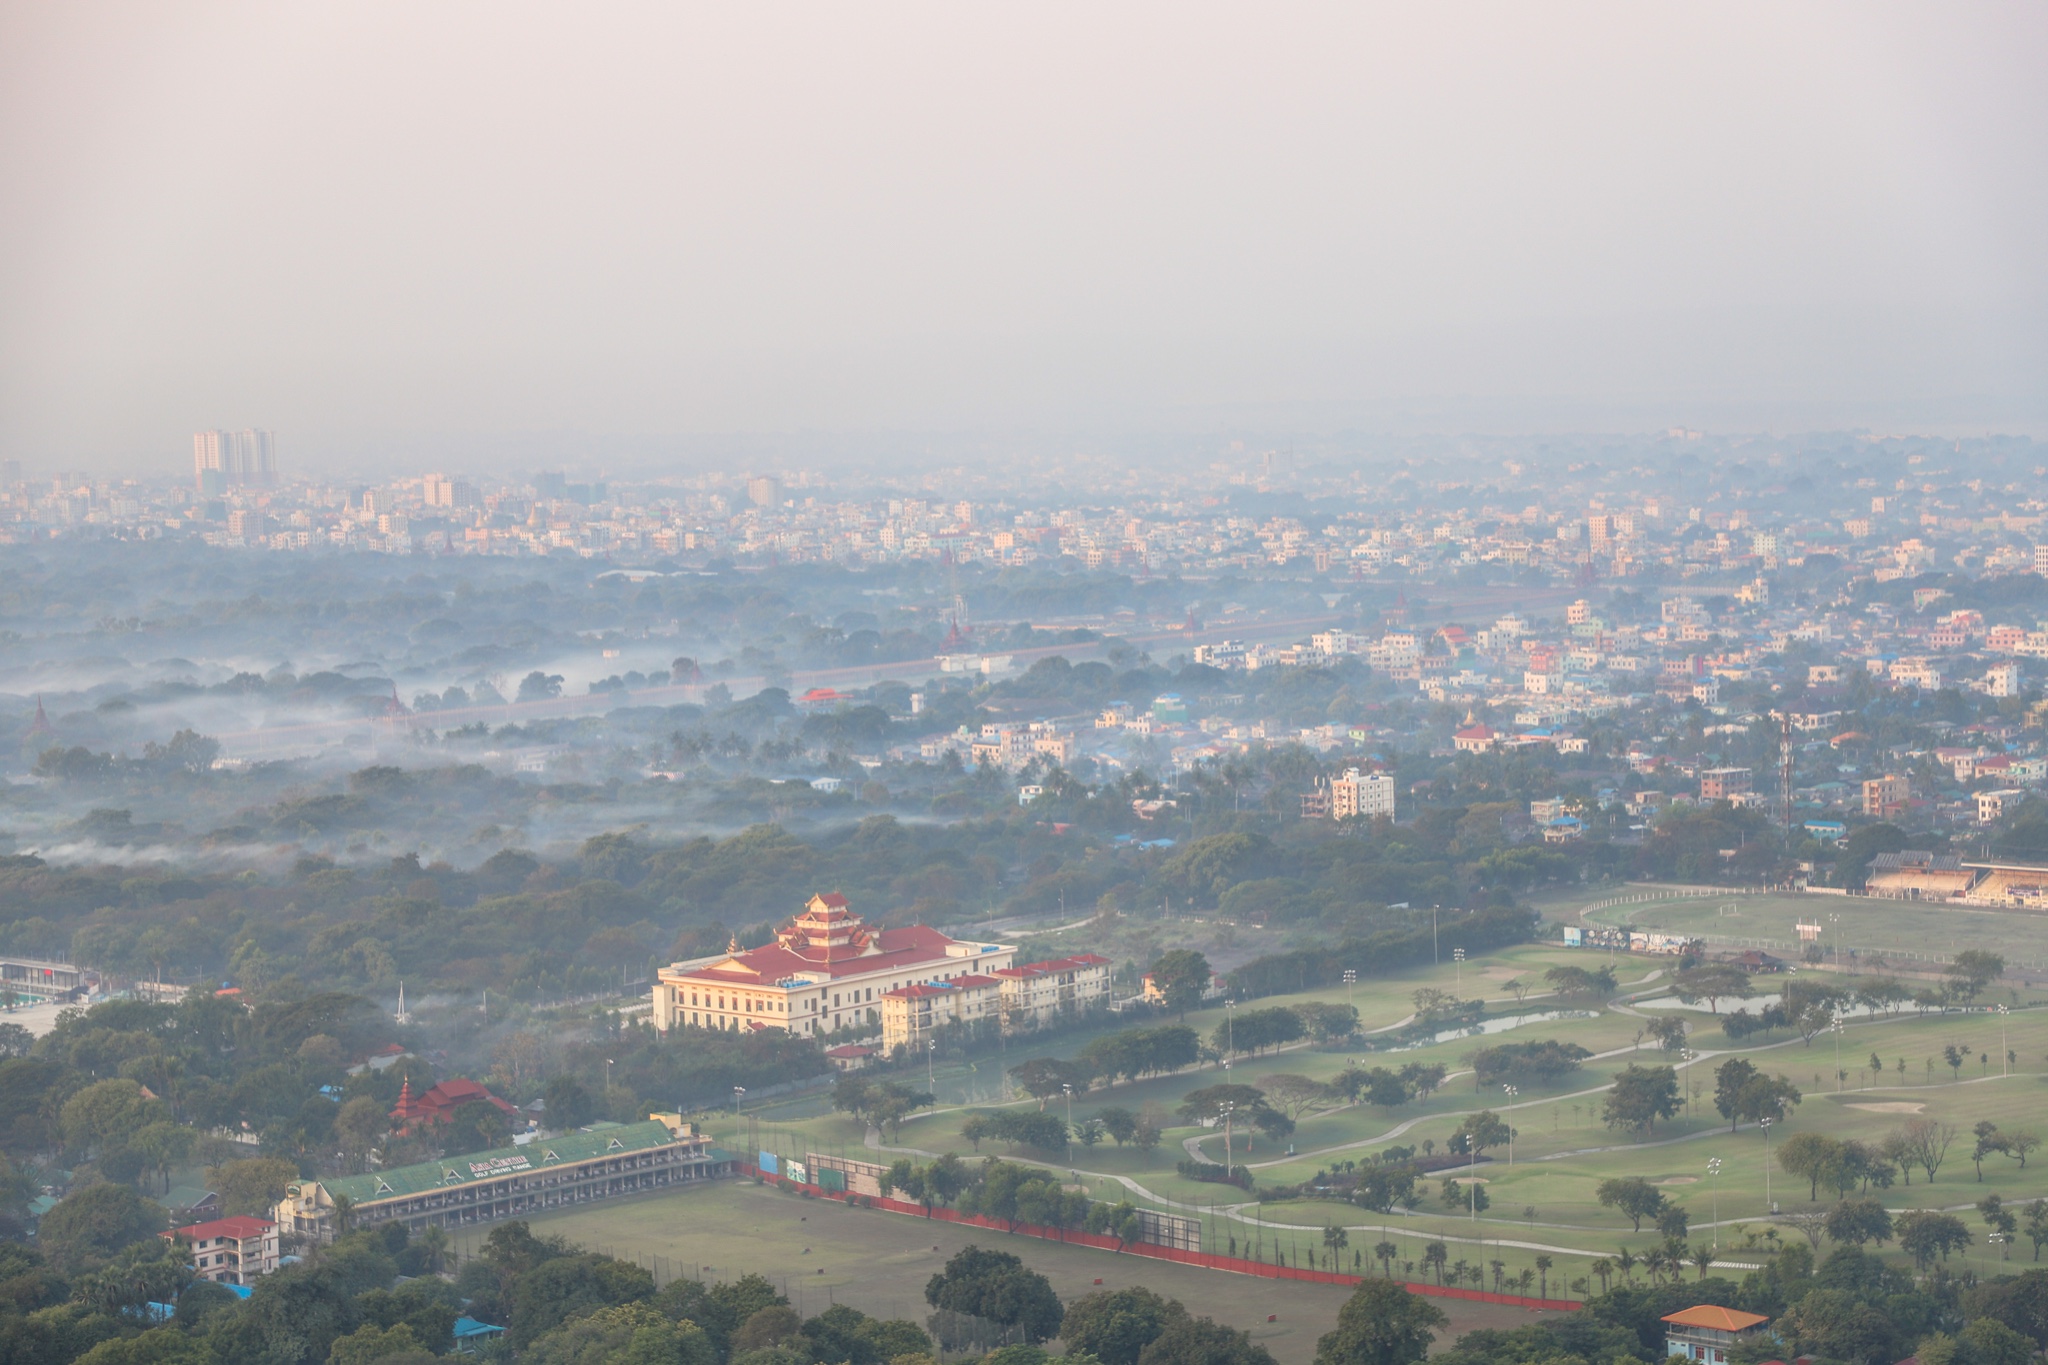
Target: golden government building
828,971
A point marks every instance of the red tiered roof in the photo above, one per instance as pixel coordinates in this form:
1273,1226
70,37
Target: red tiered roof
440,1103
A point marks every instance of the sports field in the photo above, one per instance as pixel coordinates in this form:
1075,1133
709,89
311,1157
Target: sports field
1876,935
1543,1202
821,1252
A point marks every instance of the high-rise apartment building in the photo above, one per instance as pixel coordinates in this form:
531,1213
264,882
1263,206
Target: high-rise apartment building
438,490
764,490
232,459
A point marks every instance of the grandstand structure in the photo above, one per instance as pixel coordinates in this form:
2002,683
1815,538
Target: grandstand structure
1915,874
1921,875
2010,886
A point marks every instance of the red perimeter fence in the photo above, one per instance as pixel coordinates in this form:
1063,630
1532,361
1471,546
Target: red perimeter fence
1237,1265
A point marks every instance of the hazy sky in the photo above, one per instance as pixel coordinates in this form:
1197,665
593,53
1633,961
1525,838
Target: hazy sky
364,224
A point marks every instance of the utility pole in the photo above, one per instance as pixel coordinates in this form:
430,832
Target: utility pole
1069,1089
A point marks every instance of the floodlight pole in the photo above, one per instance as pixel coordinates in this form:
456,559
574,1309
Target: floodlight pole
1512,1092
1714,1171
1765,1124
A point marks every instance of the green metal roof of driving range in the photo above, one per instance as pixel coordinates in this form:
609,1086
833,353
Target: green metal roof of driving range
569,1148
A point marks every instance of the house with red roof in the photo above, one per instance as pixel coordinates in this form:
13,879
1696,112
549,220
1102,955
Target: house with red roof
1476,737
827,970
230,1250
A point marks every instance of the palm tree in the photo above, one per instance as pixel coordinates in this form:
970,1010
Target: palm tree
1434,1255
1543,1264
1522,1280
344,1209
1499,1270
1626,1264
1335,1239
433,1243
1602,1269
1703,1256
1386,1251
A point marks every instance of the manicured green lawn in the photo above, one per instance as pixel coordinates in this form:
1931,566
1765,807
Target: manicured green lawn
1547,1198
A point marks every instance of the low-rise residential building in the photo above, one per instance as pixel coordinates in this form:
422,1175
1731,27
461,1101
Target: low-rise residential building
1993,806
1884,797
827,970
1707,1334
1720,784
1361,795
230,1250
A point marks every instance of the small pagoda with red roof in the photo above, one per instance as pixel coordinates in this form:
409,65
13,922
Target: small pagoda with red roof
417,1113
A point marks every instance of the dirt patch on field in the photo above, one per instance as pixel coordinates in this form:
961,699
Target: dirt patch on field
879,1262
1890,1106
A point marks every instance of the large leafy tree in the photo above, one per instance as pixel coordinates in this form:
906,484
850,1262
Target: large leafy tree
90,1225
1115,1325
1182,977
1634,1196
1642,1095
997,1286
1381,1324
1199,1341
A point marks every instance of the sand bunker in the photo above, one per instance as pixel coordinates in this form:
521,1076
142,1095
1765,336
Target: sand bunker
1680,1180
1891,1106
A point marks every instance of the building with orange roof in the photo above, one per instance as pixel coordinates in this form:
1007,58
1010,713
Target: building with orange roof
1706,1333
826,970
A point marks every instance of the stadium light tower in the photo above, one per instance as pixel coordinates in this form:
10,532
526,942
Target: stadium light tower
1765,1124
